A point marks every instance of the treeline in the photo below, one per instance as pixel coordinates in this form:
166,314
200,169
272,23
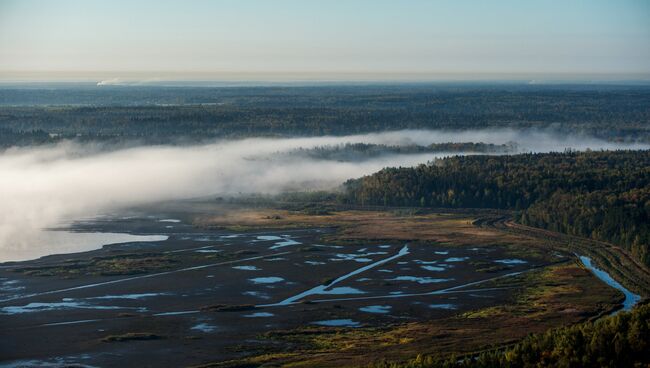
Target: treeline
9,138
604,195
618,217
162,115
622,340
362,151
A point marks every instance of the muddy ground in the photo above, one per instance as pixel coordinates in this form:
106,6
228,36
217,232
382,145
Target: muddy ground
210,294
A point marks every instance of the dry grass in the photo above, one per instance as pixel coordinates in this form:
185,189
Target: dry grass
558,295
550,297
453,229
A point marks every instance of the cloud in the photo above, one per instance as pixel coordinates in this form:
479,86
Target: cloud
42,187
127,82
111,82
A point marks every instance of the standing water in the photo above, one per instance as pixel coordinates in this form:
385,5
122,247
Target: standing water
630,298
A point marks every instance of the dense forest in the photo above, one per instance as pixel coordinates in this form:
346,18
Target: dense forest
364,151
604,195
165,115
622,340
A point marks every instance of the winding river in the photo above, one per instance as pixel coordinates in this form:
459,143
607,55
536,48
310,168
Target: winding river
630,298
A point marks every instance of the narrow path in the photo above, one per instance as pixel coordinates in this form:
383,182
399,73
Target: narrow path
615,260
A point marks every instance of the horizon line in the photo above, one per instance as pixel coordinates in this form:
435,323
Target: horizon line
154,77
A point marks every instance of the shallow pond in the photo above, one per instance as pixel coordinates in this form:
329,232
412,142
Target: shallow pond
246,268
259,315
338,323
266,280
510,261
442,306
380,309
41,307
419,280
204,327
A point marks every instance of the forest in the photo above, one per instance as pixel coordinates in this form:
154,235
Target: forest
363,151
604,195
168,115
614,341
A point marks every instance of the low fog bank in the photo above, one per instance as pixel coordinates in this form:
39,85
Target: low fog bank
42,187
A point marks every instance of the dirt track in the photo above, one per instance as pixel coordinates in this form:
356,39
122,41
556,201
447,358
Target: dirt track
613,259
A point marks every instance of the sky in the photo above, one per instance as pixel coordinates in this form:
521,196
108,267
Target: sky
200,39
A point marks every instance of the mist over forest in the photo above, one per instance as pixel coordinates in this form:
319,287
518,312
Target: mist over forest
71,179
388,163
131,145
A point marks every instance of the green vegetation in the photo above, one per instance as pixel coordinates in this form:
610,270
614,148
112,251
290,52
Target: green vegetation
618,217
361,151
164,115
10,137
601,195
622,340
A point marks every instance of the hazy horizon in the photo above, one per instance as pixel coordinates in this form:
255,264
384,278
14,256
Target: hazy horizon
190,79
292,40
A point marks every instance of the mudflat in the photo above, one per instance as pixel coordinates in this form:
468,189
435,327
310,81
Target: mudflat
254,286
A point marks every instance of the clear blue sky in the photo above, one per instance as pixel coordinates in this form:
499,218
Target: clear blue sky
356,36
